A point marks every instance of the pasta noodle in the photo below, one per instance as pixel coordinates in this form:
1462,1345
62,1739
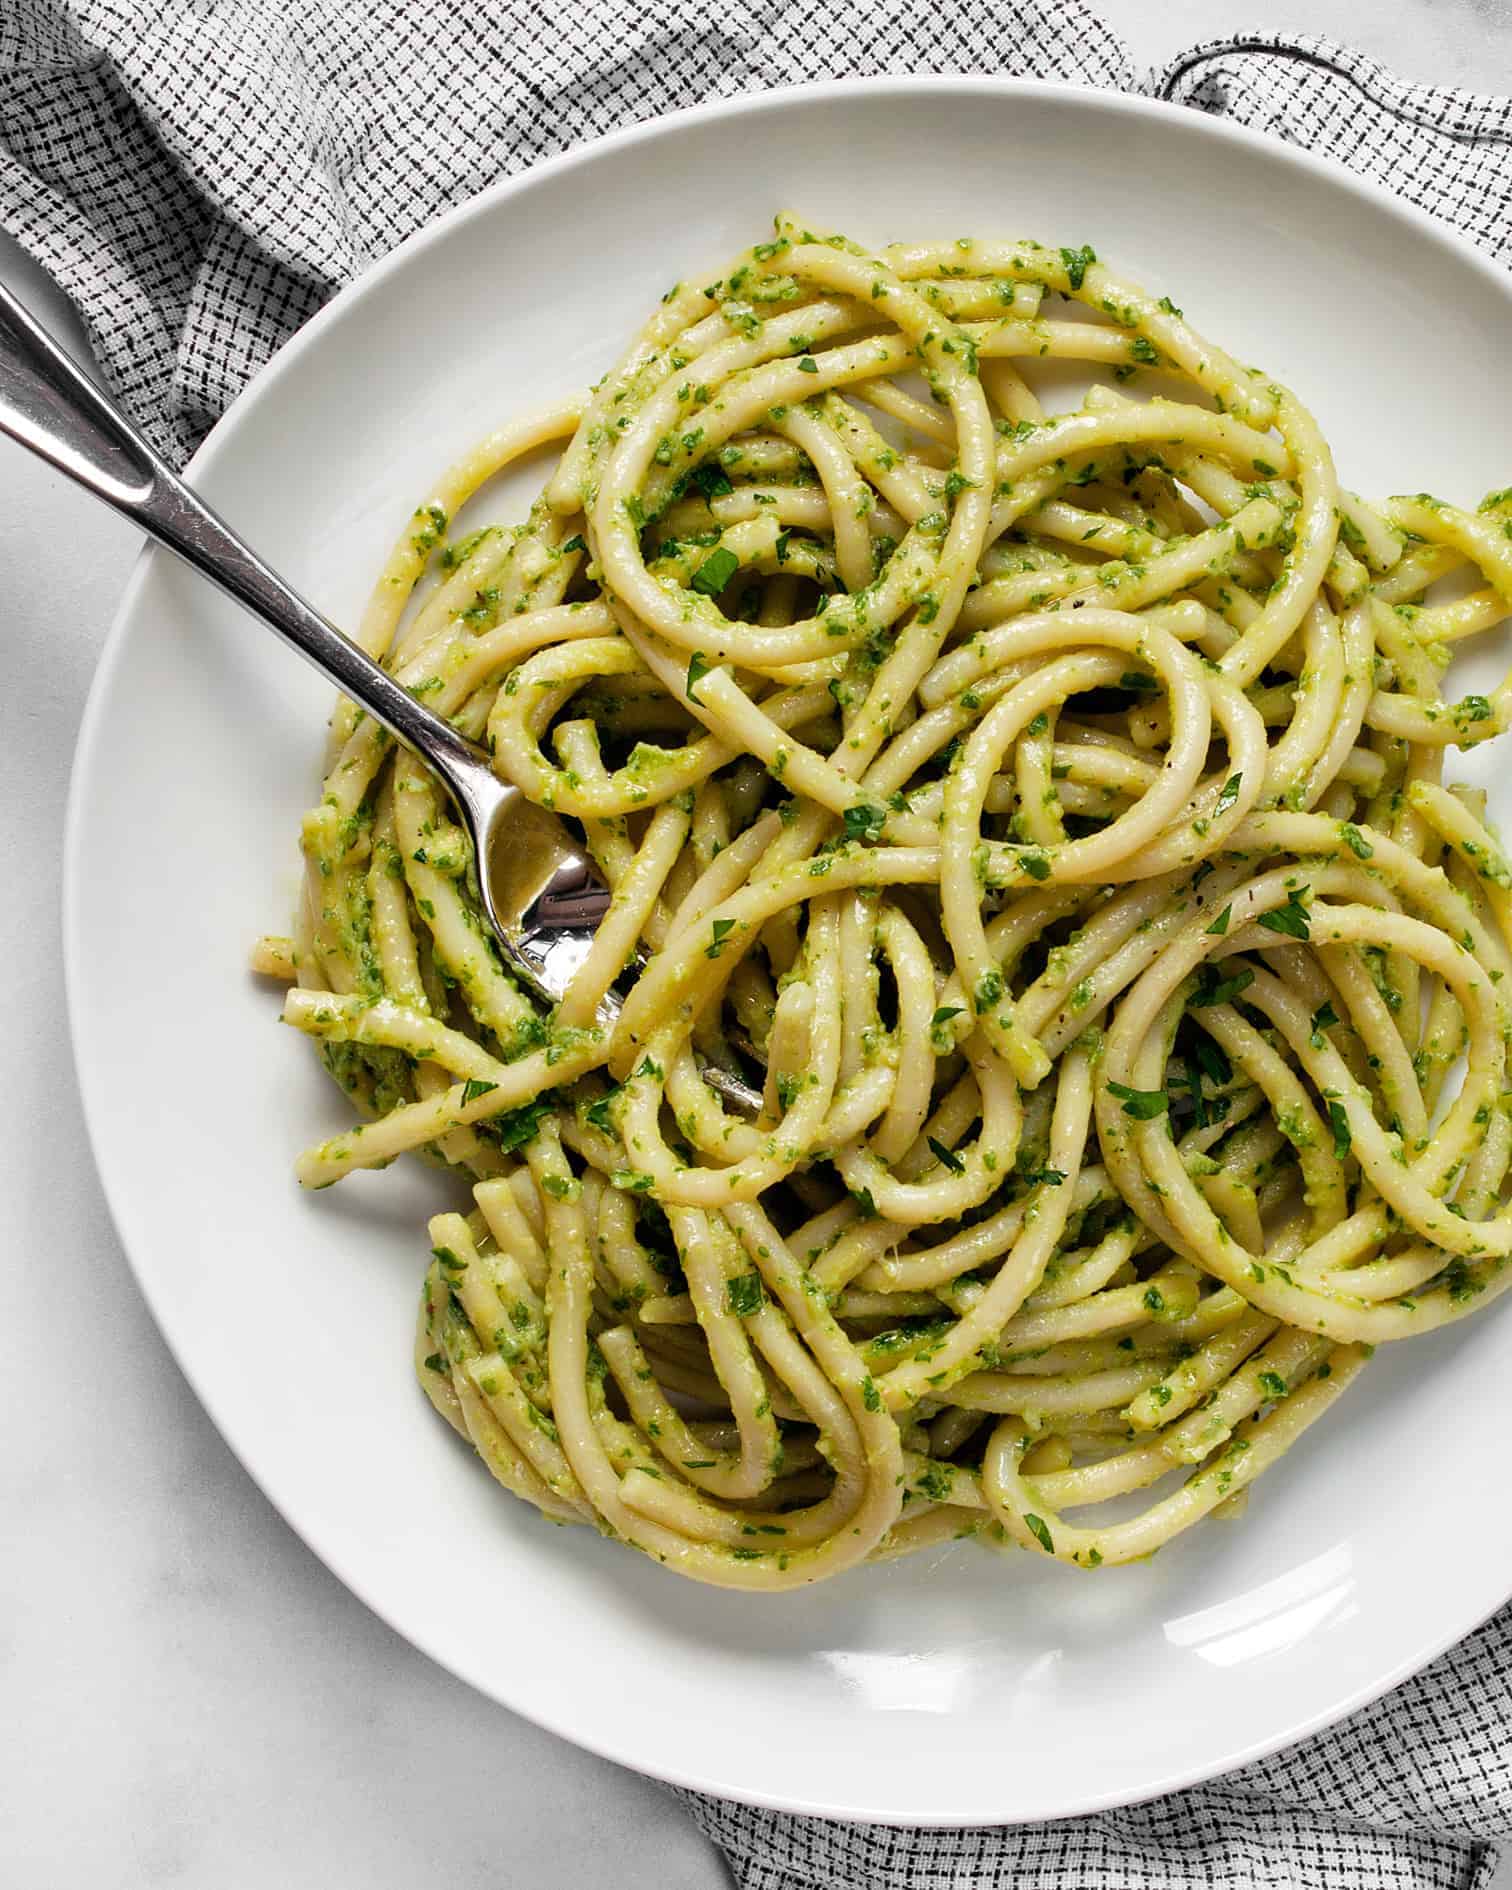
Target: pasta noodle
1045,808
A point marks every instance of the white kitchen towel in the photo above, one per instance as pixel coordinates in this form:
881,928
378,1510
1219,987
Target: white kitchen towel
199,178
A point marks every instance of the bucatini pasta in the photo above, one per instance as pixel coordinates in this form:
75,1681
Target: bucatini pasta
1045,808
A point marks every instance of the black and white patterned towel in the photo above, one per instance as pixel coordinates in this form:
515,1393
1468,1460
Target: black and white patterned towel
200,178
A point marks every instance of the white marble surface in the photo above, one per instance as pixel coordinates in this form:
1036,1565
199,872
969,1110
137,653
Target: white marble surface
189,1697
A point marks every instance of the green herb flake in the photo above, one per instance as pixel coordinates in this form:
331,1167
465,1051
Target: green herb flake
1290,920
712,481
948,1156
519,1126
1358,845
864,822
1216,990
1078,262
744,1294
716,571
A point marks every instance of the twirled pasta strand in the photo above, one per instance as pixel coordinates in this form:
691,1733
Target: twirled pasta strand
1044,809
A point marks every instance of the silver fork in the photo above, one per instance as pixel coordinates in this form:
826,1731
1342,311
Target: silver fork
542,895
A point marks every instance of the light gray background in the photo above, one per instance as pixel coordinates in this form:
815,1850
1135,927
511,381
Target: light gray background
187,1696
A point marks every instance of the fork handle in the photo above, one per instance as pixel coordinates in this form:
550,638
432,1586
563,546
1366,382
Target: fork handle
50,405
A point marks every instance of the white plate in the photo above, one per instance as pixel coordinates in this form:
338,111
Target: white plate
955,1688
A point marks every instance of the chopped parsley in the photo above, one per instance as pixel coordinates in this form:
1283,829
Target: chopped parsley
712,481
1215,990
1358,845
519,1126
744,1294
1290,920
864,822
1078,262
716,571
1037,1526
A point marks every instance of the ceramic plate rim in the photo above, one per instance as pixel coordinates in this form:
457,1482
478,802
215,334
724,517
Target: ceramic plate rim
92,1083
